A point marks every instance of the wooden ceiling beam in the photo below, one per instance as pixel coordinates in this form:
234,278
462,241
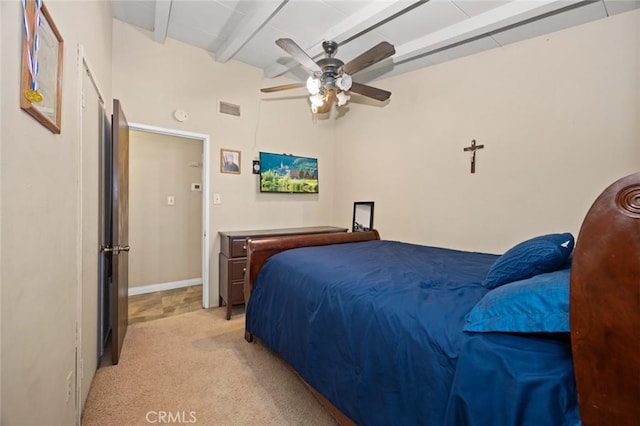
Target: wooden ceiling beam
250,25
161,20
501,17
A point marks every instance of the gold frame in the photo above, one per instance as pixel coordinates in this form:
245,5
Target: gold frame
224,153
49,77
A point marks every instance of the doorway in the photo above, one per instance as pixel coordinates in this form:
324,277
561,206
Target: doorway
171,201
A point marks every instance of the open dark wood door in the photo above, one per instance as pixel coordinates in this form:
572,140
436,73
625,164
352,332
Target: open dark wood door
120,229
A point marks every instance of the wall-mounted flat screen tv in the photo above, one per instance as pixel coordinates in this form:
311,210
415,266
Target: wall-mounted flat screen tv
288,173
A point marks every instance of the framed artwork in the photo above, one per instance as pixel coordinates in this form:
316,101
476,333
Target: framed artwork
41,78
362,216
229,161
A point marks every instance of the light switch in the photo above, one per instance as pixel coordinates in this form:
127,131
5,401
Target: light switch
217,199
171,200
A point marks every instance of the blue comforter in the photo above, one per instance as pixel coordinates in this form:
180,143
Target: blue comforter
376,327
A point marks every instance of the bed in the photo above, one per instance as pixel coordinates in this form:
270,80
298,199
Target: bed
386,332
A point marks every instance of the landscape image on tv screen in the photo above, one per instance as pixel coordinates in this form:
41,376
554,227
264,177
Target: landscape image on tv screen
288,173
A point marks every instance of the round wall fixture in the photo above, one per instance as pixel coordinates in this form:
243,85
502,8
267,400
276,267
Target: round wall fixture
180,115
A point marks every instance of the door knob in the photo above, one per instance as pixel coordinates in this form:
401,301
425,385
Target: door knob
115,250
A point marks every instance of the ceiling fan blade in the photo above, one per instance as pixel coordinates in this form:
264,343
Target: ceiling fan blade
298,54
283,87
370,92
326,106
375,54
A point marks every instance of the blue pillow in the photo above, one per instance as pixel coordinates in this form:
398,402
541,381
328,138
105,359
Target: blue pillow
535,305
545,253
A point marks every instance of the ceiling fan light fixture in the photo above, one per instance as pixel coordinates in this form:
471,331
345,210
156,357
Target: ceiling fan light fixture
344,82
313,85
316,100
343,98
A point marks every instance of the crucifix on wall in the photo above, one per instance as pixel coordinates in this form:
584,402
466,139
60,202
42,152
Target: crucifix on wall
473,148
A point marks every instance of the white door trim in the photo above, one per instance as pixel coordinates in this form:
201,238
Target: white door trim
206,179
82,64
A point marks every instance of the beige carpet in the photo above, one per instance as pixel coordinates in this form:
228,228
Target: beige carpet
196,368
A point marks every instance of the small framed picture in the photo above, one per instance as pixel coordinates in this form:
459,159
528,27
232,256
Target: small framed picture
41,77
362,216
229,161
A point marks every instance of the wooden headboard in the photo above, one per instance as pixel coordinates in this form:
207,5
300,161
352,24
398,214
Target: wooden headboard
605,307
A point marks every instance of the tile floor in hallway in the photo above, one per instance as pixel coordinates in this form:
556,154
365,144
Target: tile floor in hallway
150,306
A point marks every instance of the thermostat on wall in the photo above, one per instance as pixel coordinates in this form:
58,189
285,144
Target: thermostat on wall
180,115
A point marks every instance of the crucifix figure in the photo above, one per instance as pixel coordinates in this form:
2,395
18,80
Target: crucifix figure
473,148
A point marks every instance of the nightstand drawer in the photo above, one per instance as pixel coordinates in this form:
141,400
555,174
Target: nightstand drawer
238,247
237,292
237,269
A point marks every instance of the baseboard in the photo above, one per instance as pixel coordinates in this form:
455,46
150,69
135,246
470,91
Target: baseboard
151,288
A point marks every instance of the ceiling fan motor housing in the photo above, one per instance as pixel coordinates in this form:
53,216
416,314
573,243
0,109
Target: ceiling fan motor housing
330,70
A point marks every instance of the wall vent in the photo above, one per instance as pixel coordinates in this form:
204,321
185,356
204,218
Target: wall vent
229,109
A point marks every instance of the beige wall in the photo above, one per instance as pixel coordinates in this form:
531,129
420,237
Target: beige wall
166,239
40,220
559,116
1,121
152,80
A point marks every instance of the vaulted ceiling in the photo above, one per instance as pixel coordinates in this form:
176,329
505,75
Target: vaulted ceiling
423,32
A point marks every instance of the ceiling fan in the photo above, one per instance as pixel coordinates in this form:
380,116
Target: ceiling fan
331,78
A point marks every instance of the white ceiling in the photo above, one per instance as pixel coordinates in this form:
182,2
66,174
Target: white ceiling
423,32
